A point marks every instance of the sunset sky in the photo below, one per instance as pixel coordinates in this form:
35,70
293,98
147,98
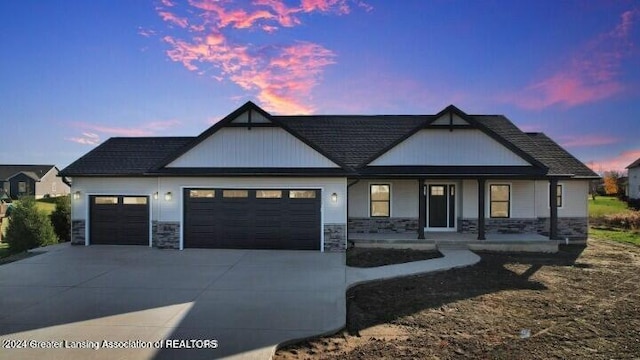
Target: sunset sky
74,73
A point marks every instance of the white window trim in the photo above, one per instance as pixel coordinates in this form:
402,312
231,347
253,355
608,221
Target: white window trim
488,199
390,199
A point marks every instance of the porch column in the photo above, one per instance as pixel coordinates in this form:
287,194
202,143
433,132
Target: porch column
481,206
422,204
553,209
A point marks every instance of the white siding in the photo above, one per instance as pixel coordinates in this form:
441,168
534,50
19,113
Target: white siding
444,147
256,117
575,199
109,186
530,199
163,210
404,198
444,120
258,147
470,199
634,183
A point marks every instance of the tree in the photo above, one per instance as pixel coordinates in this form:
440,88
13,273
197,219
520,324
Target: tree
29,227
61,218
611,182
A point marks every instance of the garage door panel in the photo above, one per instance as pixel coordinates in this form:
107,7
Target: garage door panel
119,220
253,219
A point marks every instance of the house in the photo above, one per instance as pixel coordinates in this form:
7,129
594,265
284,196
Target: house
31,180
633,180
259,181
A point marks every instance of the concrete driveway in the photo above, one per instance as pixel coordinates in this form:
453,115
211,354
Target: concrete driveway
222,303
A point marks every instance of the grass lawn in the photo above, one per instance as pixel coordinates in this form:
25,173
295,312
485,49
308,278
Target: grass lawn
615,235
606,205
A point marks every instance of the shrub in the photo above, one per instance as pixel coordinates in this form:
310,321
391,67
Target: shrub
61,218
29,227
626,221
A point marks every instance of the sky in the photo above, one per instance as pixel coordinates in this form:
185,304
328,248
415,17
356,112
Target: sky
74,73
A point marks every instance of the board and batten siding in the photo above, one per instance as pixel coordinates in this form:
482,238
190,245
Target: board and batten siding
109,186
530,199
171,210
634,182
444,147
263,147
404,198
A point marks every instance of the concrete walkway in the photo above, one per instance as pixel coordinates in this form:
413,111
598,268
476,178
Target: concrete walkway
133,297
452,258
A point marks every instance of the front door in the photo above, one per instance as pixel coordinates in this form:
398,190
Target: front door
441,206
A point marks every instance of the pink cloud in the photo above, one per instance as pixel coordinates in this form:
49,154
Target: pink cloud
592,74
92,133
146,32
282,76
587,140
87,138
617,163
172,18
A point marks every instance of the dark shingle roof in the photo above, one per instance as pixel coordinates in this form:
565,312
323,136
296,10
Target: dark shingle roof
634,164
352,139
558,160
126,156
34,171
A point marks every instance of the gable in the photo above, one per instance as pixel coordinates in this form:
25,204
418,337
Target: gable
465,147
449,118
252,147
250,117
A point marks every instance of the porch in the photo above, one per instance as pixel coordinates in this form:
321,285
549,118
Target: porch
526,242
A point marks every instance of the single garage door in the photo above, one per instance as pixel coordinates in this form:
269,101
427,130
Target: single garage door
252,218
119,220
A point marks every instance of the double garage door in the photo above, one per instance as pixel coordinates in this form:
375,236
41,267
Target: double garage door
252,218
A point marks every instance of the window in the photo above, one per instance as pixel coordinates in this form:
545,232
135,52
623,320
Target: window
559,196
499,201
437,190
22,187
202,193
268,194
106,200
134,200
235,193
380,196
302,194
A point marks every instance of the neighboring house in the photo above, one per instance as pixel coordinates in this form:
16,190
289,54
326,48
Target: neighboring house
633,180
31,180
254,180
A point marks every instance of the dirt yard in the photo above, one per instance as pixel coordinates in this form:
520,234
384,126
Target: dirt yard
579,303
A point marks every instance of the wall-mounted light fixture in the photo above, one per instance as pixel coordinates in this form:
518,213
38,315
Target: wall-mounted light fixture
76,195
168,196
155,195
334,198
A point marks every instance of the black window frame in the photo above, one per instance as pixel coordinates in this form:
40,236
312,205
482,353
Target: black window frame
492,201
372,201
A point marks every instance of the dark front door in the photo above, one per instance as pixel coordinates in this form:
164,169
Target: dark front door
119,220
441,206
